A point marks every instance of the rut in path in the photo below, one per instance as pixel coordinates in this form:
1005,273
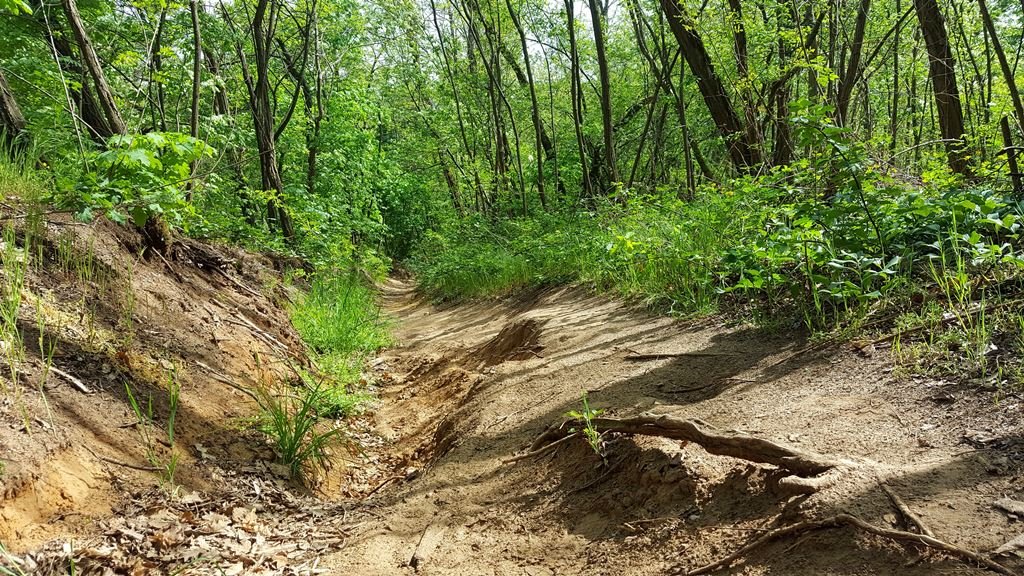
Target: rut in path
475,384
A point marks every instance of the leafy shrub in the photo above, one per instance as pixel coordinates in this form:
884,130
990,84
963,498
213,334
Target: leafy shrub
138,176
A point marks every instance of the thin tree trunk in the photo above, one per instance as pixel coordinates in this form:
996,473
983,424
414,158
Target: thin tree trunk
538,126
263,28
942,72
12,121
849,79
577,97
1004,65
744,157
197,68
197,79
155,72
606,93
894,114
92,64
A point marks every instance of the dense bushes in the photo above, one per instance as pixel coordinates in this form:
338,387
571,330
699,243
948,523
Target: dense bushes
763,243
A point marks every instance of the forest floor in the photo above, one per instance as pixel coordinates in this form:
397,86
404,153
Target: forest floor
426,485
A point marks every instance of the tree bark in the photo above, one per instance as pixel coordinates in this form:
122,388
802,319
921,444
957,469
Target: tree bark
263,28
538,126
197,68
606,94
941,69
12,121
1004,65
744,156
577,99
849,78
92,64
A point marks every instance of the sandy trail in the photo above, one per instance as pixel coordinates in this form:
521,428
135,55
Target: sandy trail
460,403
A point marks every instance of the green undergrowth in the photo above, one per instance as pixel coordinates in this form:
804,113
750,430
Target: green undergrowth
340,321
938,265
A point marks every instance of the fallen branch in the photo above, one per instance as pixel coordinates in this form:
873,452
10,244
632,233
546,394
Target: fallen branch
238,284
841,520
543,449
223,379
713,440
119,463
74,381
665,355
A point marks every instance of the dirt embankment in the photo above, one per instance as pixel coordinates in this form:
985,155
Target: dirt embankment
474,385
82,474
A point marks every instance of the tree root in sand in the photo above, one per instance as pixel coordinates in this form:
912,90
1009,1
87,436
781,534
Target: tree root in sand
841,520
813,472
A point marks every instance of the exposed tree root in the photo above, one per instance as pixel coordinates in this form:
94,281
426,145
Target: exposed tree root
908,514
840,520
715,441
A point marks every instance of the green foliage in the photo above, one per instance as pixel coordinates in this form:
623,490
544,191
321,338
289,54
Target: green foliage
13,266
766,243
138,176
146,425
585,419
340,321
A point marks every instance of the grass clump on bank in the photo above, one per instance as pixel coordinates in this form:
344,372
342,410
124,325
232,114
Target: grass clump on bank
340,321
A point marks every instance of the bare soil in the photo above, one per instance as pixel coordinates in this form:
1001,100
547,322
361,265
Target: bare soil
475,384
426,485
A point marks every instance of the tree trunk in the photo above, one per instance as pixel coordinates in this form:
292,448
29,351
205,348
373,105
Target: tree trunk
92,64
197,78
943,76
577,98
197,68
155,70
745,89
263,28
849,78
744,157
12,121
606,94
1004,65
538,126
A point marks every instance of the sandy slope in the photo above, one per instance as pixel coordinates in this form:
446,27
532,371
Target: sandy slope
454,411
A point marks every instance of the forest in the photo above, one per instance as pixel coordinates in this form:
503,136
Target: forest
807,159
383,188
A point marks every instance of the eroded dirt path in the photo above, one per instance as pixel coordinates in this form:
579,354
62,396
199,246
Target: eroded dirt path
473,385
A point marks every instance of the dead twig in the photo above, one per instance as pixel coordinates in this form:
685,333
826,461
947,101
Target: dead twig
380,486
74,381
223,379
238,284
123,464
841,520
665,355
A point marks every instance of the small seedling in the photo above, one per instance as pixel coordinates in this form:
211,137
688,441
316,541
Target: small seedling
585,418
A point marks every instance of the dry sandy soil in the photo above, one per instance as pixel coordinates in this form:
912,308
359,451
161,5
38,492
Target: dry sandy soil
426,486
467,396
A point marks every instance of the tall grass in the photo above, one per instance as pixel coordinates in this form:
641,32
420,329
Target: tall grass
659,249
